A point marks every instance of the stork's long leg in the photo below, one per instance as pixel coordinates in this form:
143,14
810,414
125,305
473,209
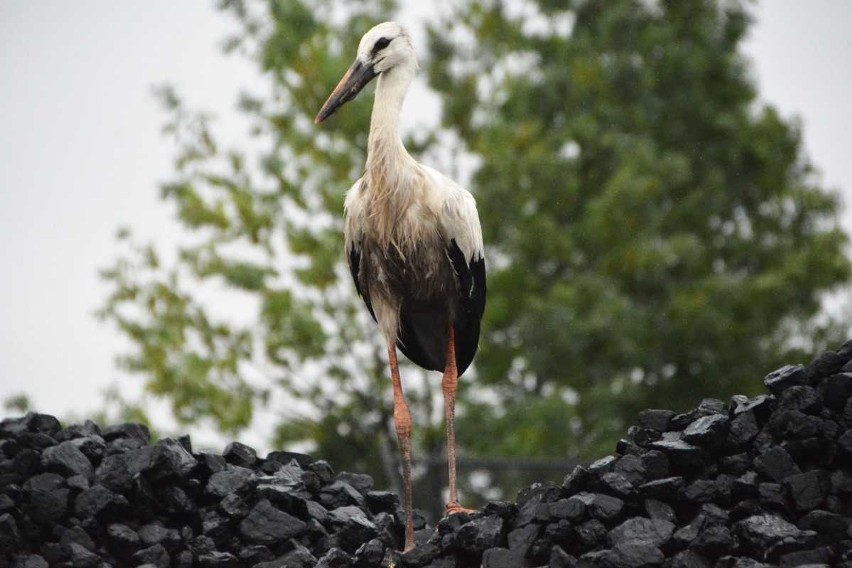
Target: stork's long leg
402,422
449,385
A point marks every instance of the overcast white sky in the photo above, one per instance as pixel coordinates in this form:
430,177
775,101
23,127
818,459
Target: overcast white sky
81,154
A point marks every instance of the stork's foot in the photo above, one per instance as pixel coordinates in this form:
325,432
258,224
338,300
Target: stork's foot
453,508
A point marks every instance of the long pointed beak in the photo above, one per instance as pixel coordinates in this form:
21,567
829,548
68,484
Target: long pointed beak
347,89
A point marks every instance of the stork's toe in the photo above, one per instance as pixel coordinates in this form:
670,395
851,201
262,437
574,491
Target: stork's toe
454,508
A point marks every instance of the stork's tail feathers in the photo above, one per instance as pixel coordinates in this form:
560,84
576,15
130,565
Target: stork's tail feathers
423,339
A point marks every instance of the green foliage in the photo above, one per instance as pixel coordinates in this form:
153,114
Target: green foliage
19,403
657,228
654,233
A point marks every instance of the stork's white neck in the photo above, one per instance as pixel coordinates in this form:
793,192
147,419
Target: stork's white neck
384,145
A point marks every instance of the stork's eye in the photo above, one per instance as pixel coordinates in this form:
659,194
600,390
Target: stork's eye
381,44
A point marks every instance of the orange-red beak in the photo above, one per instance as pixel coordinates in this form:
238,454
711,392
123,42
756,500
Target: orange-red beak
356,77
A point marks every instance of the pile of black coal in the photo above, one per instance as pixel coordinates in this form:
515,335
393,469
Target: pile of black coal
765,481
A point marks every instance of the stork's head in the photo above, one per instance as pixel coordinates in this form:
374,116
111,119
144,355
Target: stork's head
383,48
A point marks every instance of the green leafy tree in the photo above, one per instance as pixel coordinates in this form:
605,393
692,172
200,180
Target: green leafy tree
654,233
657,233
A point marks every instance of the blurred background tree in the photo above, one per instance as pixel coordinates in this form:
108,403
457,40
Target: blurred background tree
655,234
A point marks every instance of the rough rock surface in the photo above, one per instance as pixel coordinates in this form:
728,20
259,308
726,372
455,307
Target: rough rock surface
751,482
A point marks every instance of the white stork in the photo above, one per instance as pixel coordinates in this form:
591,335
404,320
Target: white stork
414,245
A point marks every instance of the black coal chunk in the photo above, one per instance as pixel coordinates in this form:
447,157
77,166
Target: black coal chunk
266,525
240,454
479,534
217,559
501,558
808,490
379,501
836,390
228,481
155,555
101,503
653,532
122,540
370,553
10,538
632,468
30,561
42,423
776,464
632,555
656,464
128,430
656,419
761,532
659,510
786,376
826,364
521,540
421,555
707,431
822,556
684,457
284,458
114,473
79,555
299,557
743,429
46,498
576,480
600,506
156,533
831,525
335,558
354,527
615,484
571,509
761,405
166,459
665,489
67,459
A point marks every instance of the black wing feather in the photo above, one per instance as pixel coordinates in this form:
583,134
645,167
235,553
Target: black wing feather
355,269
471,304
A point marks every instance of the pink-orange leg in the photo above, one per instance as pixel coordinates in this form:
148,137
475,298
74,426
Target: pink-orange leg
402,422
449,385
